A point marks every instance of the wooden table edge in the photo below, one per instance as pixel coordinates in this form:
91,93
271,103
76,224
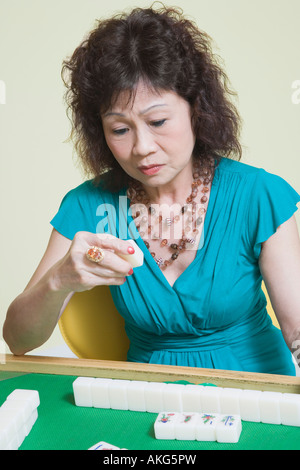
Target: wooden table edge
148,372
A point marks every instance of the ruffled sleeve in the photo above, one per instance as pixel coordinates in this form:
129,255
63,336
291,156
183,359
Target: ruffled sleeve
272,202
75,213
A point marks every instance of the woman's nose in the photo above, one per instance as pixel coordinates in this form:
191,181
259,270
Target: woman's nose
144,143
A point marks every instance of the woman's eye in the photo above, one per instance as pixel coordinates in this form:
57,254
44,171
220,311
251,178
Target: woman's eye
120,131
158,123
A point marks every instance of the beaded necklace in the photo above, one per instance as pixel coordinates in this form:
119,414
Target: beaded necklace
154,227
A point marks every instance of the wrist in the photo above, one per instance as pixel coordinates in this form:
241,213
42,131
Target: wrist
54,283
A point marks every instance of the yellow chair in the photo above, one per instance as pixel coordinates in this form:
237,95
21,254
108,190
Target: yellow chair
93,328
269,307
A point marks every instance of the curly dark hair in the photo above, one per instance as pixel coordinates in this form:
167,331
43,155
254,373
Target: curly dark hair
168,52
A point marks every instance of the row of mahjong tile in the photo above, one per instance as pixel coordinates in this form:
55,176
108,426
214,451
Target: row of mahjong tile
17,416
198,426
154,397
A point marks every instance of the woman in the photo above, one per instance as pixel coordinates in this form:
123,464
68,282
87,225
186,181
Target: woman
155,130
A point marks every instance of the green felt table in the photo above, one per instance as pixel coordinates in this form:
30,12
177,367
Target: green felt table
63,426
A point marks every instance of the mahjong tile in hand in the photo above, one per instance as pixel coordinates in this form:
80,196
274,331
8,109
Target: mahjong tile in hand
137,258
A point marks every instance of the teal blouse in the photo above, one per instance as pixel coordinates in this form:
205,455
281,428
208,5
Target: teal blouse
215,314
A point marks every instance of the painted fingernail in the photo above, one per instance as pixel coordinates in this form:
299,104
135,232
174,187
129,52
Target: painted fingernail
130,272
130,250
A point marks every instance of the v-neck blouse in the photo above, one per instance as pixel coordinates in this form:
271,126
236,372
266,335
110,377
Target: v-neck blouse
214,315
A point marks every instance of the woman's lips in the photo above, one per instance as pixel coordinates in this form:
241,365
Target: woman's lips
150,170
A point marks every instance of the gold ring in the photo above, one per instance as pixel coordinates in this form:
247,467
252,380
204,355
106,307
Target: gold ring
95,254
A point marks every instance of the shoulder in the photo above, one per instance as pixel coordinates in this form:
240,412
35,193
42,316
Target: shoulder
250,175
83,189
82,206
227,165
92,190
255,186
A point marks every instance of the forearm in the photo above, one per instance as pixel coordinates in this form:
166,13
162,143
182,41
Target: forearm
33,315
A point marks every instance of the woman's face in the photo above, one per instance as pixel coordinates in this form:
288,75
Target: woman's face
152,138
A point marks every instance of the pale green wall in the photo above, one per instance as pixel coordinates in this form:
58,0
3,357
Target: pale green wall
258,40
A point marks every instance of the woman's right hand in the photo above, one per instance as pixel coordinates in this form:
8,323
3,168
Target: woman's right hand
63,270
76,273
